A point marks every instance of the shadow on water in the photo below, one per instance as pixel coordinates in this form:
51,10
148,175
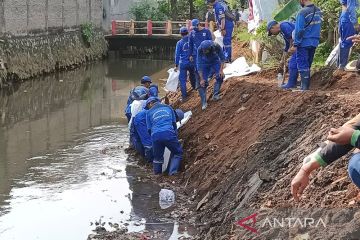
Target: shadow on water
63,167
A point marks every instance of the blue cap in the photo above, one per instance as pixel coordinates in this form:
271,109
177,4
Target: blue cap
206,44
184,30
154,90
179,115
343,2
140,93
151,100
146,79
270,25
195,22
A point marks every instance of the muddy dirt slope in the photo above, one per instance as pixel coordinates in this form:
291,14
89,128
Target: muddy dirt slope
242,152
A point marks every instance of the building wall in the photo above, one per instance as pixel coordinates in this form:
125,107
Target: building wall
23,17
116,10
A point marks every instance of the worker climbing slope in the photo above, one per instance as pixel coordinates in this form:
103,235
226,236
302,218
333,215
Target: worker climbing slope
307,38
182,62
225,22
286,29
161,125
210,59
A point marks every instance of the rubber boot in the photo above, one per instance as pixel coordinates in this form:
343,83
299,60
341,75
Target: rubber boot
174,165
157,168
305,80
217,87
202,93
293,76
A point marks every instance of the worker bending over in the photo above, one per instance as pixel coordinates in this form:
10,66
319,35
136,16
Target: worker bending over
161,125
182,62
139,93
286,30
210,59
307,38
342,141
225,23
348,20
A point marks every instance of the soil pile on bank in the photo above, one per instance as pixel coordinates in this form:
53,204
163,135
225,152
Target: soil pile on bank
243,151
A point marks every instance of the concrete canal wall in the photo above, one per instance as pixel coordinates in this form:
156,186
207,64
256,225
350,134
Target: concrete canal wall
42,36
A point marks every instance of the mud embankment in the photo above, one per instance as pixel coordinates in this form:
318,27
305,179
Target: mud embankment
29,56
243,151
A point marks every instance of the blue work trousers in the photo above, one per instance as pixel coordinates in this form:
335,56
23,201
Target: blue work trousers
184,70
227,43
304,58
354,169
170,140
207,70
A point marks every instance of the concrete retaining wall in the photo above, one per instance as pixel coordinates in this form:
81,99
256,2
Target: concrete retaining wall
42,36
24,17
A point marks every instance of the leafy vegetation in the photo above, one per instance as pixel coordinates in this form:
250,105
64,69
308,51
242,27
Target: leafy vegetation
88,33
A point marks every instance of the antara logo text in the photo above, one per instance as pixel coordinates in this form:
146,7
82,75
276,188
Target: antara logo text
249,223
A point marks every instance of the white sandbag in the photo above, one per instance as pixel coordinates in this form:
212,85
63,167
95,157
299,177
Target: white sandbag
219,39
332,59
167,152
136,107
240,68
173,80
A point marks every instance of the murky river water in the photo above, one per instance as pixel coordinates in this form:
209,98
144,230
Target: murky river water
63,165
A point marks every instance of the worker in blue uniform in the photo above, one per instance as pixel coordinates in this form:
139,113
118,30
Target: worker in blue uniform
210,59
348,19
154,90
197,36
182,62
286,29
144,136
225,22
139,93
306,39
161,125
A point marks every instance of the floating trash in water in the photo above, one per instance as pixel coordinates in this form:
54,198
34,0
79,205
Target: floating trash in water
166,198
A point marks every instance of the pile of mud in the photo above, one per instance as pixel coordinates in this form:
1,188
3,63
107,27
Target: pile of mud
243,151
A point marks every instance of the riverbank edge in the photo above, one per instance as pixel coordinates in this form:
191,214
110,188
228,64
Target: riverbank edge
25,57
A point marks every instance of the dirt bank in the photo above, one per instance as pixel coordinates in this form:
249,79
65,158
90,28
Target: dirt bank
243,151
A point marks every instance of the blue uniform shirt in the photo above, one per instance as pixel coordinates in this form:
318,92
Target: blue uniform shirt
141,128
216,56
196,38
220,9
347,29
286,30
182,53
308,27
161,118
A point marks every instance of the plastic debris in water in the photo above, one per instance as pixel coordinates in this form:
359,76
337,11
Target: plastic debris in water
166,198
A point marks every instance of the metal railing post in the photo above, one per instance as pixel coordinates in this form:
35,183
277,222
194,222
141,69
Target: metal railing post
149,28
132,27
113,27
169,27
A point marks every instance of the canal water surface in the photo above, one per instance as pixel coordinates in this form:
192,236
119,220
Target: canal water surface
63,164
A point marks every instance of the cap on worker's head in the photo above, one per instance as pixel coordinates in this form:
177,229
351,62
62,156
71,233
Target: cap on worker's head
154,90
209,1
195,22
206,44
270,25
151,100
146,79
343,2
184,30
179,115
